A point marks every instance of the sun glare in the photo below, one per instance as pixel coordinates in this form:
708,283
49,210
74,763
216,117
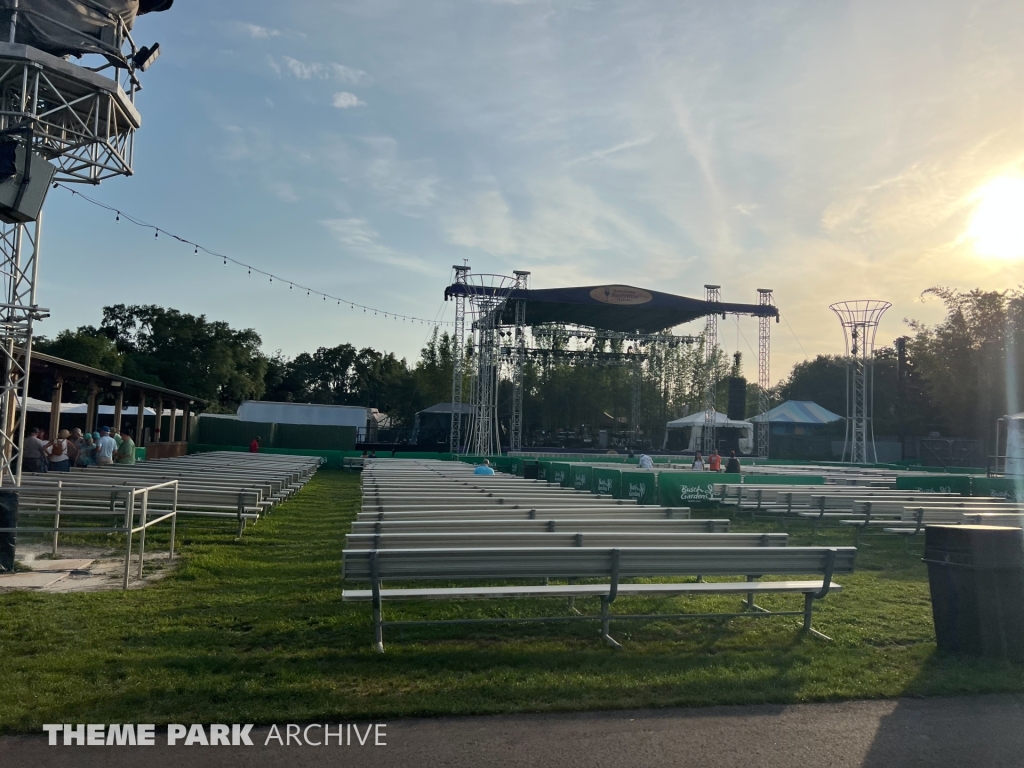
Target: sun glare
998,223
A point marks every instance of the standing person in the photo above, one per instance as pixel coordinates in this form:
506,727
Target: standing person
105,448
125,453
57,452
254,446
33,452
646,462
733,465
87,452
698,463
715,461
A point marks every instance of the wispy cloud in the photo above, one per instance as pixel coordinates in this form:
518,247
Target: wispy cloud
600,154
256,32
303,70
346,100
359,239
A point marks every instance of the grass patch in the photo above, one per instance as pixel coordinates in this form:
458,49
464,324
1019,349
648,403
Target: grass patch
255,631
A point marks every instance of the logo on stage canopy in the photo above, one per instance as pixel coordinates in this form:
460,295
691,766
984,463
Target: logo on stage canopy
620,294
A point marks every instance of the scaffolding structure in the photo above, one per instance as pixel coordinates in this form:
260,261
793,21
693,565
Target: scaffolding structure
860,320
713,295
765,298
71,123
499,350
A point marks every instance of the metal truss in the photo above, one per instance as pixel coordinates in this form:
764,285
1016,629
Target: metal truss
458,360
712,293
765,298
84,123
860,324
518,357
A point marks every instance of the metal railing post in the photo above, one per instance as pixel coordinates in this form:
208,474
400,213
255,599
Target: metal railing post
56,517
142,531
129,520
174,519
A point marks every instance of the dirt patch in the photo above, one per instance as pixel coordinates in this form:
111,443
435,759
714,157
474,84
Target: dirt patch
82,569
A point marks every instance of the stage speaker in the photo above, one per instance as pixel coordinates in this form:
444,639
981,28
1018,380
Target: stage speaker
737,408
24,181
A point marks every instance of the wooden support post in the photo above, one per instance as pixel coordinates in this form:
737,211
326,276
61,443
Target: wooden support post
140,421
173,436
159,419
185,422
90,413
118,407
58,391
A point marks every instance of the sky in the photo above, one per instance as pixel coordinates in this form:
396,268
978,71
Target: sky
829,151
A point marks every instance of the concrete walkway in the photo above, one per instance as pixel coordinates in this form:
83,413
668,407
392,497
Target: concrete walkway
963,732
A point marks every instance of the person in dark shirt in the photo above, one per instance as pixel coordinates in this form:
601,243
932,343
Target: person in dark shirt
733,465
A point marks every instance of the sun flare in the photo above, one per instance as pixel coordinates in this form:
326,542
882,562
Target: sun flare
997,227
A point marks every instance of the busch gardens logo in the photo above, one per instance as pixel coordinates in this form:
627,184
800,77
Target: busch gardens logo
559,475
697,492
604,485
637,490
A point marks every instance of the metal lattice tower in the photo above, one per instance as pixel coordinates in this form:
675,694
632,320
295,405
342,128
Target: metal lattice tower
458,360
635,394
712,293
518,361
860,325
764,353
79,124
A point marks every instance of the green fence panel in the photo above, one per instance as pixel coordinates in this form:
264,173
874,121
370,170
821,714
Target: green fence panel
233,432
607,481
639,484
935,483
543,470
559,473
314,437
783,480
333,458
691,489
582,476
998,487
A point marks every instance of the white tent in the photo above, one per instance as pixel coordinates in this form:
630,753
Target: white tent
695,423
35,405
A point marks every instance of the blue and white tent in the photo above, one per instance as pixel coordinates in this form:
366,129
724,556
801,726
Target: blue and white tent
805,412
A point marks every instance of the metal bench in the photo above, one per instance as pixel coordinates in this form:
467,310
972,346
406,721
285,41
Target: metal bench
568,538
639,513
614,564
570,524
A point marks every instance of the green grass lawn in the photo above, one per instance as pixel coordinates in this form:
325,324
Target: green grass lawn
255,631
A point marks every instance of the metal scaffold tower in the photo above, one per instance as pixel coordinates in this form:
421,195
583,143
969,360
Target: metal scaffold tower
712,293
764,352
458,360
58,121
860,325
522,280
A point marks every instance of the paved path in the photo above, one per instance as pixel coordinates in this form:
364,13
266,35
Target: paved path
963,732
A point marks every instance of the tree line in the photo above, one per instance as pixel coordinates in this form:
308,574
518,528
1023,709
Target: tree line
960,375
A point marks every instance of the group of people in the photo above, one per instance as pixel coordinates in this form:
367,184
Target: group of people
76,449
714,463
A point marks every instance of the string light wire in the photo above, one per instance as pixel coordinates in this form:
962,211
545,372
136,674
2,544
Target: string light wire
119,215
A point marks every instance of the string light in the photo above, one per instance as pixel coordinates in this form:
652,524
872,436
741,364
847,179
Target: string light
225,259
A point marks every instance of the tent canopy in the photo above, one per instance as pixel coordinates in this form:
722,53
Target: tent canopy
798,412
697,420
621,308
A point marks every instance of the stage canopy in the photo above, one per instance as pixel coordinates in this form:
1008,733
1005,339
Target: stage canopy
798,412
621,308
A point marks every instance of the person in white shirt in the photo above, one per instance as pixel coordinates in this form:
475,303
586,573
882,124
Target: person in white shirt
105,448
57,452
698,463
646,462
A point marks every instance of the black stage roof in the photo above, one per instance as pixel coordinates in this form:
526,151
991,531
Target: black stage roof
609,307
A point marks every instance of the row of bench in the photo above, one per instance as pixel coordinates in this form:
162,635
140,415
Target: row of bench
424,522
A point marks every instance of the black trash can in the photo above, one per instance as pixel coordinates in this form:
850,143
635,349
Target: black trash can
976,577
8,519
530,470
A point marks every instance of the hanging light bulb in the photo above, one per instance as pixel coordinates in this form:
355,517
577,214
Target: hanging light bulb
118,217
156,234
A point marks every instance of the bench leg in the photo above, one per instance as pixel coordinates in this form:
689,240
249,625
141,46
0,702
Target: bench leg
606,625
808,611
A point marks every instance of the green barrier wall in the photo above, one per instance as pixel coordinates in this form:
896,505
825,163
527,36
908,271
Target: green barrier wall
935,483
314,437
559,473
607,481
639,484
782,480
232,432
691,489
543,470
582,476
998,487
